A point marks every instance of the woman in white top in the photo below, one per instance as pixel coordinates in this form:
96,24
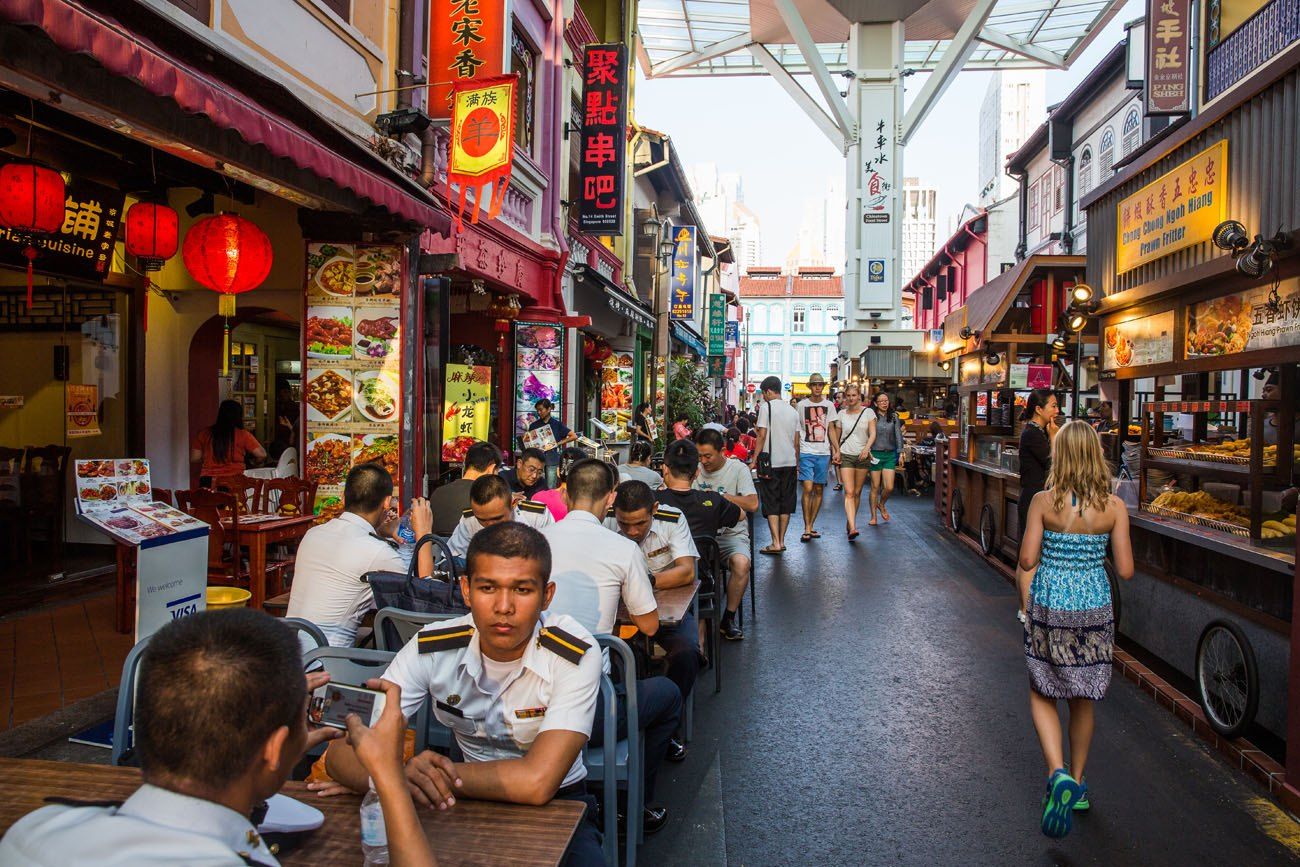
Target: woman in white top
854,461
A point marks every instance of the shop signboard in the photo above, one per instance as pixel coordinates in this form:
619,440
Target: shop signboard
604,139
83,247
82,407
1244,321
681,304
627,307
466,43
539,370
1168,57
467,408
731,336
717,324
717,365
1027,376
352,365
616,393
1180,208
1139,342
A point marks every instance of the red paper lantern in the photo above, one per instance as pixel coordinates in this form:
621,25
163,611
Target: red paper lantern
588,347
229,255
152,234
31,204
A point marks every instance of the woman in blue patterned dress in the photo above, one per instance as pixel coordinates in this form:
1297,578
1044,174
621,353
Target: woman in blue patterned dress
1070,628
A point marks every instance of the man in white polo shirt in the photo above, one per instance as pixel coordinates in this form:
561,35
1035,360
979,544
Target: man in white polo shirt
332,557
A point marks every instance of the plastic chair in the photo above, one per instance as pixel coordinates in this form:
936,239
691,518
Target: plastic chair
124,715
287,467
307,632
394,628
356,665
711,599
618,761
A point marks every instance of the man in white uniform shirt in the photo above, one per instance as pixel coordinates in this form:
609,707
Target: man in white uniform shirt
332,557
491,502
819,445
593,568
517,683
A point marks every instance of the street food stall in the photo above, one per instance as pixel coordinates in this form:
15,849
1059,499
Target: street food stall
1000,341
1192,248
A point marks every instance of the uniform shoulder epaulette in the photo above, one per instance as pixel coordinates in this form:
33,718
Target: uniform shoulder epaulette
467,513
531,506
610,513
446,638
563,644
662,514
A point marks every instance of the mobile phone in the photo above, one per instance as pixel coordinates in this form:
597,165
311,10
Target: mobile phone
331,704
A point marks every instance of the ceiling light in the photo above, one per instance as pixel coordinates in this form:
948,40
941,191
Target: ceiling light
992,358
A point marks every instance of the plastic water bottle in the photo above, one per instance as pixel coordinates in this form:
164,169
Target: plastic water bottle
404,531
374,837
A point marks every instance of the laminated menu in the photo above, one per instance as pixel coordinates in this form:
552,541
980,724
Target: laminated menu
352,346
539,361
616,394
116,495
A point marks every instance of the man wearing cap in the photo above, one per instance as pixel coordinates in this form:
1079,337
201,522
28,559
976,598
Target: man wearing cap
819,444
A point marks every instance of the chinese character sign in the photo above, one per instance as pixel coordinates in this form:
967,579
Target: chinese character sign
717,324
467,408
604,139
1176,210
681,288
466,45
83,246
1168,61
482,144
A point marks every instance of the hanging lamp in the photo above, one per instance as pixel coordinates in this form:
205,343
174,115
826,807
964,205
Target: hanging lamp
229,255
31,206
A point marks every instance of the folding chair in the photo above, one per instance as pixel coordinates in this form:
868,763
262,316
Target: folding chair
618,761
356,665
394,627
124,715
712,599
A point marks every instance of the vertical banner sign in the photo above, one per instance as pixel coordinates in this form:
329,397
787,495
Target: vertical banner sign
604,139
82,410
482,144
732,335
875,231
466,44
717,366
717,324
467,409
1168,62
681,302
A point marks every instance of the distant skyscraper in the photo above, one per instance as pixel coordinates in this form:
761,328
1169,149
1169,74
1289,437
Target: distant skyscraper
1014,105
746,234
821,234
920,228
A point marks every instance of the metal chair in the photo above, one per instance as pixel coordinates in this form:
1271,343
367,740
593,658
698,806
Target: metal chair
618,761
356,665
711,600
124,715
394,628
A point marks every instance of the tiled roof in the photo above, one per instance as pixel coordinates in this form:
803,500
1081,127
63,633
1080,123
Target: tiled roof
809,283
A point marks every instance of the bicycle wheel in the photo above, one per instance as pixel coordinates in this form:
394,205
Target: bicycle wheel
1227,678
955,512
988,530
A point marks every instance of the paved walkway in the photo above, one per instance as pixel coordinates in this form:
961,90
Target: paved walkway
877,713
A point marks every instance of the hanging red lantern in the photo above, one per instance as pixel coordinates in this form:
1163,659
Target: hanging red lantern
603,351
588,347
152,234
31,205
228,255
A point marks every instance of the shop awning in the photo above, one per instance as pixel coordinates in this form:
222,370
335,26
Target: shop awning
76,29
625,305
684,335
988,304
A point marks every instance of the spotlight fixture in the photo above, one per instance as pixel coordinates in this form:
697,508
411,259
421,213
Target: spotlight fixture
945,365
1231,235
966,333
1076,320
1082,293
1261,374
1058,342
992,358
395,124
1258,260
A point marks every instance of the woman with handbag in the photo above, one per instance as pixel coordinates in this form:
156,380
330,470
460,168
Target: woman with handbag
855,461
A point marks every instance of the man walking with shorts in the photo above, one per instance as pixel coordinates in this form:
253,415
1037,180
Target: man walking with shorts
819,444
775,459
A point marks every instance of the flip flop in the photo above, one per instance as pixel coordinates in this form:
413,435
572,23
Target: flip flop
772,552
1058,804
853,536
806,538
814,534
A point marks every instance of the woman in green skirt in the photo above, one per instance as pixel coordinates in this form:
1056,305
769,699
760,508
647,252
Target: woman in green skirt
884,441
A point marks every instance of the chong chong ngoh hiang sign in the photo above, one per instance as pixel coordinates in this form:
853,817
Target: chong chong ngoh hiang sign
1176,210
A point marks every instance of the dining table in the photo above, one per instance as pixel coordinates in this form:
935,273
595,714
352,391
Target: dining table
674,604
471,834
257,533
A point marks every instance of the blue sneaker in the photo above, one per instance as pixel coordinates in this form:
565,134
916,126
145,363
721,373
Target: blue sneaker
1081,803
1058,805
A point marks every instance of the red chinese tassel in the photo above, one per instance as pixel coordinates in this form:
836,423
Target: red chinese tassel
30,253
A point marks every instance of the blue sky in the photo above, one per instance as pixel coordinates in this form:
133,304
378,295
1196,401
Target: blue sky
749,125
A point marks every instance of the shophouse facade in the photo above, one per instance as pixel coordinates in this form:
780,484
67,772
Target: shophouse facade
790,324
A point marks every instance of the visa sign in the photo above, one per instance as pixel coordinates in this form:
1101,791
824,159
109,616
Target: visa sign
184,607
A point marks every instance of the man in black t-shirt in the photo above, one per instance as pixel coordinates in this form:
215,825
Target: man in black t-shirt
528,475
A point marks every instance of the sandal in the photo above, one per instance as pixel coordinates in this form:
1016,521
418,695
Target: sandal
814,534
853,535
806,538
771,552
884,514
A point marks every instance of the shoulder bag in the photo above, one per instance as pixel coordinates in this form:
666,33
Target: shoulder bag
439,594
763,465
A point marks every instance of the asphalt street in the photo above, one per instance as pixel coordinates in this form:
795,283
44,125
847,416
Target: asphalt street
877,713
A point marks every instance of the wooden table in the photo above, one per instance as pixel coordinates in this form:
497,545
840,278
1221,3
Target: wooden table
674,604
471,833
256,536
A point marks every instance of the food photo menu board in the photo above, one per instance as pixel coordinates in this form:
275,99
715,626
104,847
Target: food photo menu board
539,370
616,394
116,495
352,365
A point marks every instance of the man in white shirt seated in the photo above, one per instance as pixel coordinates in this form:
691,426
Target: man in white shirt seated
593,568
220,722
515,681
491,502
332,557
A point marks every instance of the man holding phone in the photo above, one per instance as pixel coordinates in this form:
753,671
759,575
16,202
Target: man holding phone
517,685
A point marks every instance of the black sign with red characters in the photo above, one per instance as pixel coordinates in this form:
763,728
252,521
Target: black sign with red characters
604,139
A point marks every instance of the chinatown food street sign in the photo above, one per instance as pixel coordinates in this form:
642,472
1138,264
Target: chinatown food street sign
482,144
466,44
83,247
1168,60
604,139
1176,210
681,303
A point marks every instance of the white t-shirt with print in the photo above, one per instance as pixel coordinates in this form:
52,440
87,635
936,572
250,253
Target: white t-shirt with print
782,424
815,426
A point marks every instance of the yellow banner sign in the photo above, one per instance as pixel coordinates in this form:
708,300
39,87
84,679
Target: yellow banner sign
467,409
1178,209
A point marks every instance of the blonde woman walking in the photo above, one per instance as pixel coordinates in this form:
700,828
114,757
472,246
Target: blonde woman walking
854,460
1070,627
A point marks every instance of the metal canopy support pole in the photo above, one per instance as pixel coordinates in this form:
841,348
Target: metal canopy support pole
705,54
960,49
801,97
811,56
874,171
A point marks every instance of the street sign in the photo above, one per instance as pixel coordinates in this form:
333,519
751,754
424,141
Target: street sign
732,335
717,365
717,324
751,388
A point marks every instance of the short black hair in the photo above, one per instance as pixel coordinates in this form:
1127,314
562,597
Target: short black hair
531,454
511,540
488,488
366,488
482,455
682,458
771,383
589,479
570,456
633,496
742,422
212,688
640,451
708,436
543,403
